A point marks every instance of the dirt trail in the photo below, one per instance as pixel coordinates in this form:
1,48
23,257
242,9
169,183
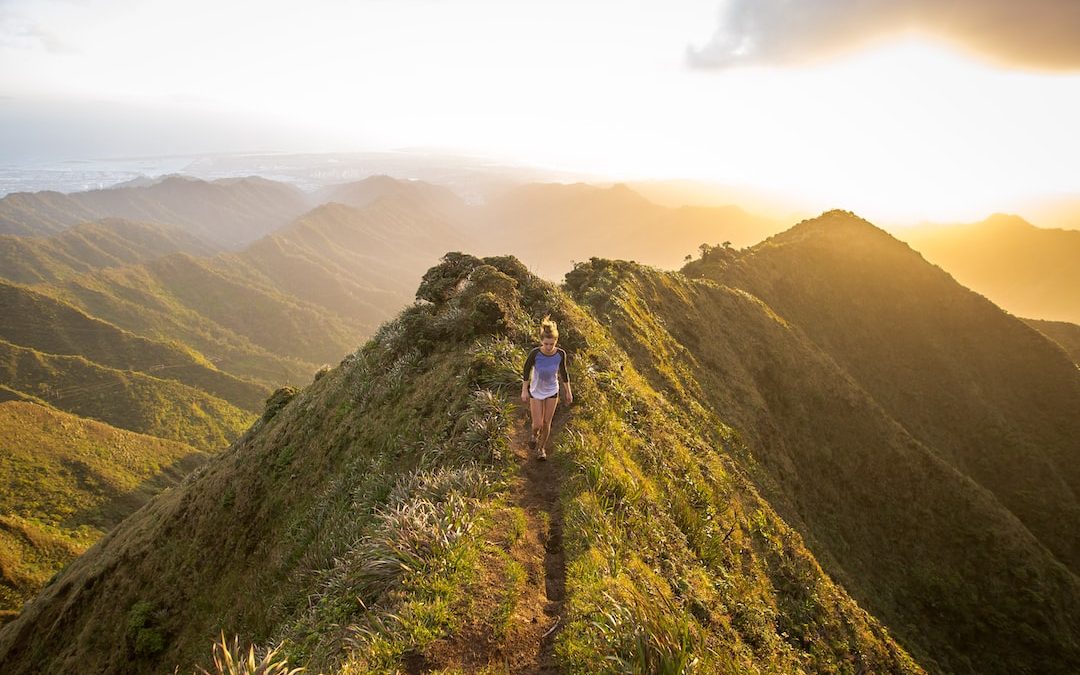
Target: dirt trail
537,493
528,645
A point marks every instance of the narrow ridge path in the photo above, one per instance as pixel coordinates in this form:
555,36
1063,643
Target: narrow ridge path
528,644
537,494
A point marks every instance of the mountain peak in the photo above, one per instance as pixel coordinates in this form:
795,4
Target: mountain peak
834,227
1006,221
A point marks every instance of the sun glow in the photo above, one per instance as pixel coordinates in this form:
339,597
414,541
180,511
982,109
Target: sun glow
903,133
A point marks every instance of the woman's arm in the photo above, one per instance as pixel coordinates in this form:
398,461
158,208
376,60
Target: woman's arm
526,375
564,375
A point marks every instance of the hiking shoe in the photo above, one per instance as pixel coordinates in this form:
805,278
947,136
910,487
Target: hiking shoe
540,454
532,443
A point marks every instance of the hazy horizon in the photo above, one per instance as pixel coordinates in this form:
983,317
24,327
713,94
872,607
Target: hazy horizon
903,115
474,178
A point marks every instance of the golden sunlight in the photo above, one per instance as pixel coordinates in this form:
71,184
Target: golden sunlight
906,132
902,133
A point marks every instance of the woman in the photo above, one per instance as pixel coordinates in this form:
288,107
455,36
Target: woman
544,370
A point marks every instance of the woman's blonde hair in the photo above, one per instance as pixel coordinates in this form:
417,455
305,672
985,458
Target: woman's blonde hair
548,328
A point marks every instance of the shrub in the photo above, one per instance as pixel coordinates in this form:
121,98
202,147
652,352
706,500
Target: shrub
441,282
144,636
278,400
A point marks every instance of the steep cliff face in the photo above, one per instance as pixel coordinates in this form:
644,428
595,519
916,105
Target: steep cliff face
728,492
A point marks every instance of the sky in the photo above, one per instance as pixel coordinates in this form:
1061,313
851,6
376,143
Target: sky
928,109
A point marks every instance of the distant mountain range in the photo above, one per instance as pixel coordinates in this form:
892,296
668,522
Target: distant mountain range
1029,271
549,226
229,212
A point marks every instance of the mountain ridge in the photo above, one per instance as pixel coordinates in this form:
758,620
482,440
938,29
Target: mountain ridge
229,212
917,311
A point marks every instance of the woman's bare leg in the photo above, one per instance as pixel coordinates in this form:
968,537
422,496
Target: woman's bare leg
536,408
548,413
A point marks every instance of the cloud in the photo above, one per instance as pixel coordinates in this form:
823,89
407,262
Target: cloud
1039,34
20,32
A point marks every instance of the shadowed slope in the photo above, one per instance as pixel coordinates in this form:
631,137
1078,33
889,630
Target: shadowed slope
242,324
362,262
125,399
989,394
53,327
1066,335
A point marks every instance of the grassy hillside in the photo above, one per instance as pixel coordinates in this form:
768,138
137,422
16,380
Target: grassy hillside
358,262
779,460
917,543
53,327
983,390
1066,335
164,301
229,212
41,213
87,246
385,519
67,481
224,294
125,399
292,300
1028,270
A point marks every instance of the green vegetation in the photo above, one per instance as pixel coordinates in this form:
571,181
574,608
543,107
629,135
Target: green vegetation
229,659
53,327
91,245
124,399
674,563
885,316
67,481
388,532
144,636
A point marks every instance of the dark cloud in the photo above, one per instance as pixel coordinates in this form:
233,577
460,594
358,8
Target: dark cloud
1042,34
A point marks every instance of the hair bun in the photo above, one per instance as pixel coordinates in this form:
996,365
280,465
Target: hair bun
548,327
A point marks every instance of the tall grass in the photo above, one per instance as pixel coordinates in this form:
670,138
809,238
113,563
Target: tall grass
229,659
